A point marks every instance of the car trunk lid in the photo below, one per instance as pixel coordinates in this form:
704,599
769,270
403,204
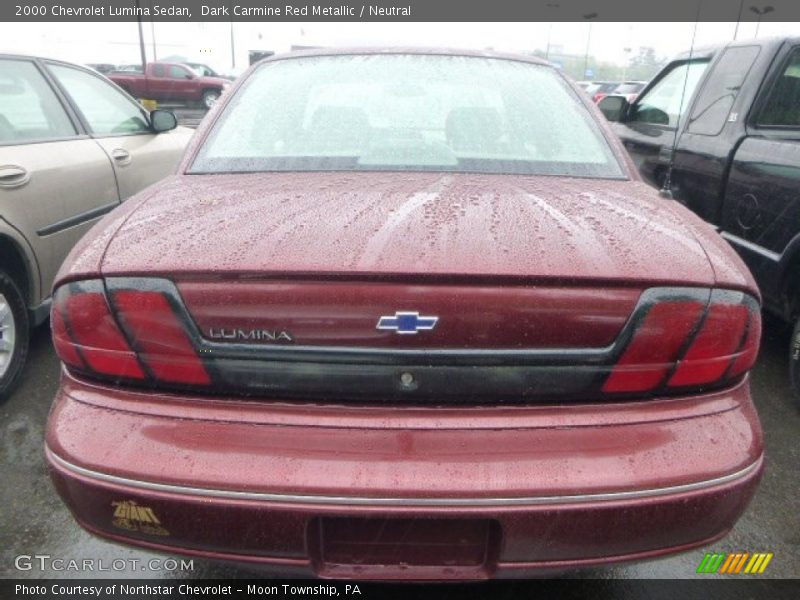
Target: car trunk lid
432,226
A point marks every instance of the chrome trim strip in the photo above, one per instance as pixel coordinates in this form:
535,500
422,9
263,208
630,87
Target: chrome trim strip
755,248
400,502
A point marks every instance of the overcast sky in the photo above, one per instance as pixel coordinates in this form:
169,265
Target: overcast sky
210,42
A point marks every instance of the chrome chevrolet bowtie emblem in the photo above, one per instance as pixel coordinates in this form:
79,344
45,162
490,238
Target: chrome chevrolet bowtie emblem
407,323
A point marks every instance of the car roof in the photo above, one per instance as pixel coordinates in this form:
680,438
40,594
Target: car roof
50,59
771,43
433,51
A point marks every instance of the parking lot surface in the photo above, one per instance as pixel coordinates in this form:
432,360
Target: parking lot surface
34,521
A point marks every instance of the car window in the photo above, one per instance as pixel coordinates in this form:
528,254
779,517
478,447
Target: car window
664,102
720,90
407,112
202,70
782,108
629,88
159,71
105,108
177,72
29,109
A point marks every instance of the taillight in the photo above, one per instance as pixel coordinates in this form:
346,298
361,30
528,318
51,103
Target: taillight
140,338
688,339
651,353
160,339
137,330
86,335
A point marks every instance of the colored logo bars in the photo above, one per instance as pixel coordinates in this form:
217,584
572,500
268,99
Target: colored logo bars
734,563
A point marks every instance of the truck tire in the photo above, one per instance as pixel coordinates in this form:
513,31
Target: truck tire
14,334
794,362
210,98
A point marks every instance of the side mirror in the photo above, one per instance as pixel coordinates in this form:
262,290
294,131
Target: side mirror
163,120
614,108
189,76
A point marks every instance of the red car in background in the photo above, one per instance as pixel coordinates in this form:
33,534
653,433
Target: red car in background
405,314
171,82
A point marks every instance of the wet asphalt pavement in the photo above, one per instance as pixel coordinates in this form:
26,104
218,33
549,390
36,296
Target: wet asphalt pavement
34,521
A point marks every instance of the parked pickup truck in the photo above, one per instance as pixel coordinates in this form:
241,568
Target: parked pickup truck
720,129
171,82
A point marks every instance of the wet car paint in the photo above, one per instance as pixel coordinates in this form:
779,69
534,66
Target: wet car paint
36,521
245,225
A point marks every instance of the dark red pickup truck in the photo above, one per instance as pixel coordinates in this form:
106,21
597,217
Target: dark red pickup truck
171,82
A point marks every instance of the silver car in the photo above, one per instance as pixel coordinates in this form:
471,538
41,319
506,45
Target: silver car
72,147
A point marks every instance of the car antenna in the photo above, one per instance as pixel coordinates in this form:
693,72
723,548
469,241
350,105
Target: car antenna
666,188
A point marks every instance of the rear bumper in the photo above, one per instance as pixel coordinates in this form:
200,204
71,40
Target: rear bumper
556,487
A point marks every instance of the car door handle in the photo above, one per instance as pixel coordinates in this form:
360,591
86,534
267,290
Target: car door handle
12,176
122,156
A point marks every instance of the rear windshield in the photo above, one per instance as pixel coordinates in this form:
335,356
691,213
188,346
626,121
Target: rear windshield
407,112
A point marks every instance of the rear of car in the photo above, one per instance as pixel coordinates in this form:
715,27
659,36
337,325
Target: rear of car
629,89
419,323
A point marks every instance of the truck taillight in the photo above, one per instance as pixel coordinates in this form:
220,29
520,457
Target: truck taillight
140,338
685,343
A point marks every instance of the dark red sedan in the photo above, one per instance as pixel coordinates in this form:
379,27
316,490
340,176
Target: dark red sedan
405,314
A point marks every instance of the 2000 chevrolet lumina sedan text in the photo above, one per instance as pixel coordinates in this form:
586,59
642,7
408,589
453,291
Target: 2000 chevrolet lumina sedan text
405,314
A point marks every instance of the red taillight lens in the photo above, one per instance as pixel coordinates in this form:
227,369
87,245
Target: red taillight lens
160,338
714,346
88,337
65,347
688,343
650,355
748,353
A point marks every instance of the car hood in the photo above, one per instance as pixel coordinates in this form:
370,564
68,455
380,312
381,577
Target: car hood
405,224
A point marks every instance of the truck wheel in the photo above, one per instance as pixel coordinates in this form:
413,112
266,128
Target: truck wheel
14,334
210,98
794,362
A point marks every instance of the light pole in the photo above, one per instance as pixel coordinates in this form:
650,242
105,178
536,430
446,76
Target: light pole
153,36
760,12
141,38
589,17
738,19
627,52
233,48
550,30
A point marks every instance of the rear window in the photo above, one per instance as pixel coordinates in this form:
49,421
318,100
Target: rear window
407,112
716,98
